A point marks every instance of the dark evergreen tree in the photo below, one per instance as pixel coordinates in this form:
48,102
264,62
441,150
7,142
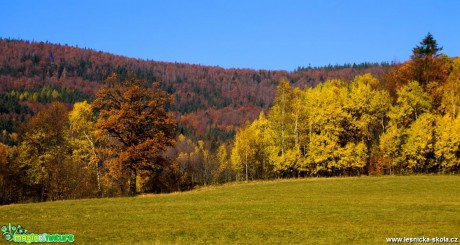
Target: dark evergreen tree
428,47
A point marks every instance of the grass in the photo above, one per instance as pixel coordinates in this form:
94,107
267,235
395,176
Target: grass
359,210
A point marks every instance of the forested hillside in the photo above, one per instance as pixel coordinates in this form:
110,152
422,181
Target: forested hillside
210,101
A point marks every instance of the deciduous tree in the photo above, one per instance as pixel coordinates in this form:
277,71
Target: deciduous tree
44,150
412,102
451,97
391,143
418,150
134,115
225,167
447,147
84,142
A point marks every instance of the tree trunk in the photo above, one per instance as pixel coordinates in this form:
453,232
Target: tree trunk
246,161
132,182
93,149
204,173
99,179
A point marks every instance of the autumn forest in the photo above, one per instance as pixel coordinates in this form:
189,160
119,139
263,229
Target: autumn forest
78,123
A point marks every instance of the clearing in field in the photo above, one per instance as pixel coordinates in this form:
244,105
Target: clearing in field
363,210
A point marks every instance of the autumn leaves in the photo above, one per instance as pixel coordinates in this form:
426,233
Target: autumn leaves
350,129
405,122
326,130
133,117
95,149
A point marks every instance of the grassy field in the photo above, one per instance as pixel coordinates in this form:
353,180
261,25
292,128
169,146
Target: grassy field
358,210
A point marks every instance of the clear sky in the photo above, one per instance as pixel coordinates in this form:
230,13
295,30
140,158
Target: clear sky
262,34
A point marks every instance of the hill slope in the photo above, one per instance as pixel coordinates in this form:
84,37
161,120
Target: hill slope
363,210
210,101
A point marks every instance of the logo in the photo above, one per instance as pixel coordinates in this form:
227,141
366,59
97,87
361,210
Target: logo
19,234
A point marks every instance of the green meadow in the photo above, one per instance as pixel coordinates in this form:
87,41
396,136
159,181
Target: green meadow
358,210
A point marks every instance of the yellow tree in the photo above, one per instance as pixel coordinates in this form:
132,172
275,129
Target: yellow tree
326,120
250,150
225,167
84,141
447,147
134,115
260,139
412,102
390,146
284,129
451,97
280,117
367,107
241,152
352,157
418,150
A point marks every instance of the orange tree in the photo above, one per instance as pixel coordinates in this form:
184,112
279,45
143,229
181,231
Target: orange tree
133,115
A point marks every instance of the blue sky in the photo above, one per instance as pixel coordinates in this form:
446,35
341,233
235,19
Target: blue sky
242,34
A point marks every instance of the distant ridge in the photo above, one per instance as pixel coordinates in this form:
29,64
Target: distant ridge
210,101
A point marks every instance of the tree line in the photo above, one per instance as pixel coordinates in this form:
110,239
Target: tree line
127,140
408,123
